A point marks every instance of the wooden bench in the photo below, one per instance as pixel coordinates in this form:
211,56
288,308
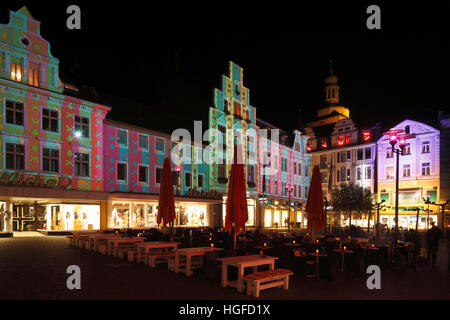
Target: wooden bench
267,279
71,239
102,248
160,257
123,247
122,252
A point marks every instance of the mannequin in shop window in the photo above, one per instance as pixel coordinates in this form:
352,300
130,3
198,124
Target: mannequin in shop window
67,221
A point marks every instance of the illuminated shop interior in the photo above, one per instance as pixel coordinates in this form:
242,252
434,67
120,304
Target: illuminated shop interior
277,217
129,214
251,211
62,217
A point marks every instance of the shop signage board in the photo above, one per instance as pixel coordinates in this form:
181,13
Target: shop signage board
34,180
202,194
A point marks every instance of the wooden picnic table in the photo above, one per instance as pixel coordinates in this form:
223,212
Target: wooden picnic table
84,236
94,239
145,248
114,243
242,262
189,253
77,234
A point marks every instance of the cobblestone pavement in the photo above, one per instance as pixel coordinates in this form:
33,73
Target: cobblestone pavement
35,268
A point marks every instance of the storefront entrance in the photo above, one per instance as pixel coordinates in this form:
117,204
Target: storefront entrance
23,218
28,217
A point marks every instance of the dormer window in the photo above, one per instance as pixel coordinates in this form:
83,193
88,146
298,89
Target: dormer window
33,75
407,129
237,89
16,71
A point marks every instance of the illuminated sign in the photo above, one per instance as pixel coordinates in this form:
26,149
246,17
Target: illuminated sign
34,180
340,140
202,194
367,136
308,145
324,144
347,138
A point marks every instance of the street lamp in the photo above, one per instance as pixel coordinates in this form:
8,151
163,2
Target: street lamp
325,213
289,189
178,169
399,136
428,202
379,206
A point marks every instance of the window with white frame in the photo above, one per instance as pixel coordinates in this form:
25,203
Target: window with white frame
143,174
50,120
426,169
425,146
188,179
50,160
122,137
368,173
121,171
160,145
406,170
81,164
15,156
389,172
82,126
358,173
14,112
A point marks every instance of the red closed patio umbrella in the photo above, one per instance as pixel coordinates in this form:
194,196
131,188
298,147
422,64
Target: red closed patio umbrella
237,212
166,202
314,204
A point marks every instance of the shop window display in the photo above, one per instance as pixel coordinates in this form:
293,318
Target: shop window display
250,208
191,215
72,217
137,215
120,216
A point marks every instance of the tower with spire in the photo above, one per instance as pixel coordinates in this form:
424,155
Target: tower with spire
333,111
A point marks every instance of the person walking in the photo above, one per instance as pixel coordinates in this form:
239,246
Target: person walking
434,234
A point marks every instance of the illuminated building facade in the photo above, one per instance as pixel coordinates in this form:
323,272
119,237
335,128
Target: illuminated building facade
419,176
134,158
234,120
344,155
51,143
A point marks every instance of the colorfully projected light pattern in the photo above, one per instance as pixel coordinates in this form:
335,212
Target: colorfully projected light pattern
48,119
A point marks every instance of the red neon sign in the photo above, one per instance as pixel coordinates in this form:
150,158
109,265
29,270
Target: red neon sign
308,145
340,140
367,136
324,144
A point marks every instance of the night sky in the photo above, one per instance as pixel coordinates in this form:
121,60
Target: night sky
173,57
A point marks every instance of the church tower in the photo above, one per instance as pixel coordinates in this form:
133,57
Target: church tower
333,111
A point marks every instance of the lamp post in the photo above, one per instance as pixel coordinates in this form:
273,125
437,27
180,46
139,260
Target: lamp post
289,189
427,201
178,169
397,136
379,206
325,212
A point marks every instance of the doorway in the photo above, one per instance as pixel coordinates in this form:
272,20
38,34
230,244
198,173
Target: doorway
23,218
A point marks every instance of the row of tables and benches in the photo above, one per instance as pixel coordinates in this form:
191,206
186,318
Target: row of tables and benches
185,260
